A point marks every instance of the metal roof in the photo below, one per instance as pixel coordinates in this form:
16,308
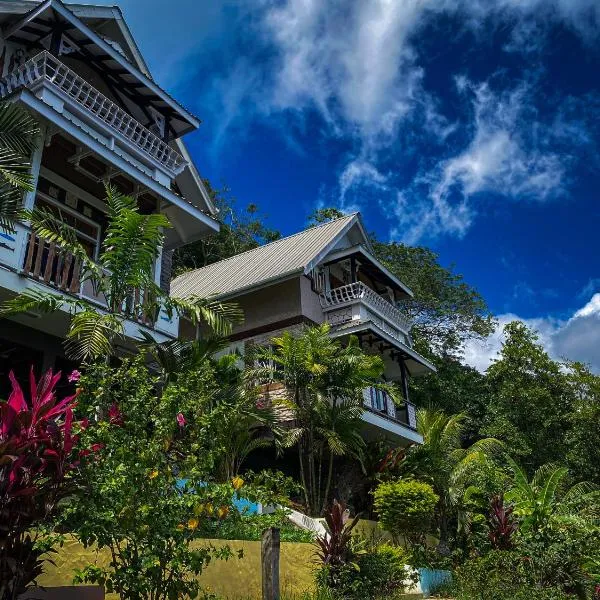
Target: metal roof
272,262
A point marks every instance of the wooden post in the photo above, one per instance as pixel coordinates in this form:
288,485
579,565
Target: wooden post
270,564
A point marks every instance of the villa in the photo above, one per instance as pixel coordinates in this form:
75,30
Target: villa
104,120
326,273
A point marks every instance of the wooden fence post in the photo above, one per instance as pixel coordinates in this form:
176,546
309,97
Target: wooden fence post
270,563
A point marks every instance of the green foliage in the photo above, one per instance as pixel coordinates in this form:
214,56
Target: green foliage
446,311
240,230
502,575
147,486
531,399
19,137
251,527
323,380
380,573
123,276
405,507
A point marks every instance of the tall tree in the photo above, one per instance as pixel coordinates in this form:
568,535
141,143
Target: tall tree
530,401
241,230
19,136
123,275
323,381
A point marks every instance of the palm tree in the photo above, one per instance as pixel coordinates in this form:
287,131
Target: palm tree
443,461
122,272
548,498
323,382
19,133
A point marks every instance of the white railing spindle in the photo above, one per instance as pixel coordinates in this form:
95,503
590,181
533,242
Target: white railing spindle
44,66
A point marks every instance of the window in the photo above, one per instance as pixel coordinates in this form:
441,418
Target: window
378,399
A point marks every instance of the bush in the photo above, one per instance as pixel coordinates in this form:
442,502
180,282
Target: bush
503,575
377,574
405,507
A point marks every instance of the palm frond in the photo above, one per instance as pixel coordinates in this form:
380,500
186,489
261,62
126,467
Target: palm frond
219,316
19,131
34,300
92,334
11,204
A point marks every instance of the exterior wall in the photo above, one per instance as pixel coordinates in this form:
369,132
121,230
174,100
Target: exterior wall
311,306
236,578
269,306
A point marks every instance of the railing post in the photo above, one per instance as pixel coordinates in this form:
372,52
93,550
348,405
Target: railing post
270,563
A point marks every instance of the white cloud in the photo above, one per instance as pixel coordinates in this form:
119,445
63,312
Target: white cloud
577,338
506,156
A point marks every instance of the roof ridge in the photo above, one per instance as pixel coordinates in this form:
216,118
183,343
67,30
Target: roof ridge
287,237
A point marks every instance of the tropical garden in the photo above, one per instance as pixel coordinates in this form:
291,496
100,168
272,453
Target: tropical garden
152,454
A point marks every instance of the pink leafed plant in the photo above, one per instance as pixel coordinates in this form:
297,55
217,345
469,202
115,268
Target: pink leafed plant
36,446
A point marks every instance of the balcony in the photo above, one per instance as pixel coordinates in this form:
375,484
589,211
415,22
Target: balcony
29,259
59,87
358,303
380,403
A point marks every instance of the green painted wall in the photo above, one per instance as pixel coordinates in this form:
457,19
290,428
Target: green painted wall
235,578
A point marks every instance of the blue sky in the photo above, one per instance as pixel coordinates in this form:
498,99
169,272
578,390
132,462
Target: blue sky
470,126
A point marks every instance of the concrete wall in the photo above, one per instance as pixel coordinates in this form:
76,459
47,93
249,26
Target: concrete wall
269,305
236,578
311,305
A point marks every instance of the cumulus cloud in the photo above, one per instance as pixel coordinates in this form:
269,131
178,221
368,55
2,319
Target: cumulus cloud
576,338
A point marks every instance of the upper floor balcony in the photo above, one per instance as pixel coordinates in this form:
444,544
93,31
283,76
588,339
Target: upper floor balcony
356,303
62,90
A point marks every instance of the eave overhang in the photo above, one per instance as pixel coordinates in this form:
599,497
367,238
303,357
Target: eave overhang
415,363
35,27
361,252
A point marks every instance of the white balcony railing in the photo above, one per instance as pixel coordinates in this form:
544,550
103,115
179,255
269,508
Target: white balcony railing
44,67
358,293
380,403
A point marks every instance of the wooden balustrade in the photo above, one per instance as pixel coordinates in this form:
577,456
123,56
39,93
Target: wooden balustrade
47,262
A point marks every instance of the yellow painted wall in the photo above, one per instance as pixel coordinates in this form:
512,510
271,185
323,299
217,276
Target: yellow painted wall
236,578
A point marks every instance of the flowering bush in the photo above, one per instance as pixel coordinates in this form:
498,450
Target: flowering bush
152,489
36,445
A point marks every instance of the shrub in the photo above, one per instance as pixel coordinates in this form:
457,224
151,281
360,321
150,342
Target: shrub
503,575
405,507
380,573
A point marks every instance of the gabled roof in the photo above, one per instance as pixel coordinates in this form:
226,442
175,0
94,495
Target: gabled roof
38,23
279,260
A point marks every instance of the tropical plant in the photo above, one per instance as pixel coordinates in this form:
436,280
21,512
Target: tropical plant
19,137
547,498
123,275
36,443
323,382
379,573
442,460
502,524
334,549
405,507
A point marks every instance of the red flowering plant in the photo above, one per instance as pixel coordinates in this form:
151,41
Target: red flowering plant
36,447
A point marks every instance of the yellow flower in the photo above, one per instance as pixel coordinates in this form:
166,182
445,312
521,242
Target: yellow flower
198,509
237,483
192,523
209,509
180,527
223,512
153,474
